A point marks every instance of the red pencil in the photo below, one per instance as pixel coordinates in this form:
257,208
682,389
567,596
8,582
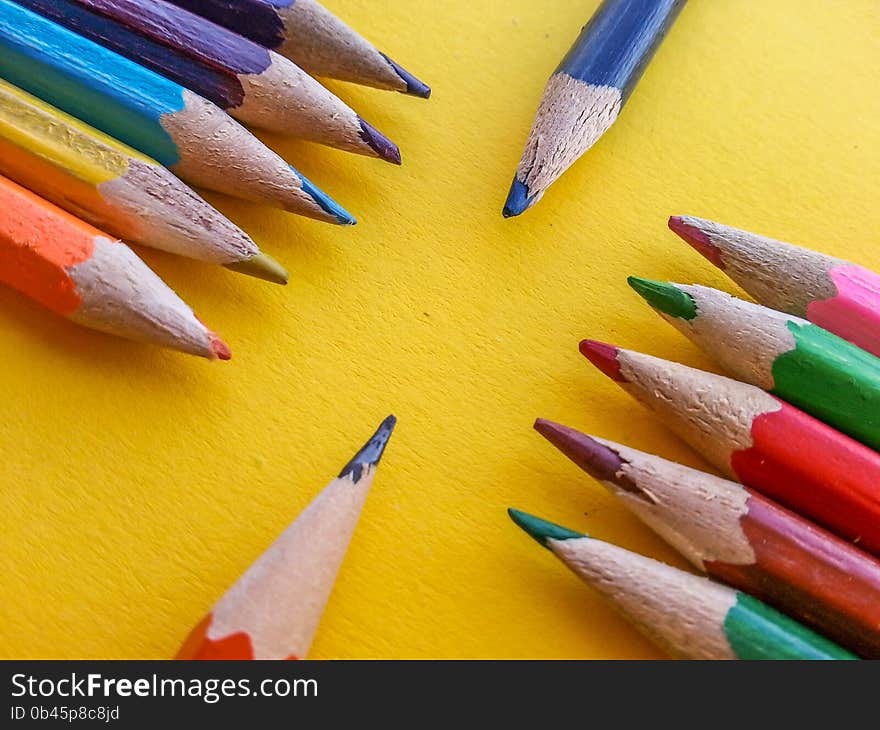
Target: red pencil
741,538
758,439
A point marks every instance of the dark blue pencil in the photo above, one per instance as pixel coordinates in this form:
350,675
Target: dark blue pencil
586,92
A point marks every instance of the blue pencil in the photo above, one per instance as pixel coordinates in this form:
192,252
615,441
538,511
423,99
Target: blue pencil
585,94
192,137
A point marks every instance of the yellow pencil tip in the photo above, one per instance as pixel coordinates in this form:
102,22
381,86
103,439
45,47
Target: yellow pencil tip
261,266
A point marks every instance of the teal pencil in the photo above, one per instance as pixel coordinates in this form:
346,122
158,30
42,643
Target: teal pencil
687,616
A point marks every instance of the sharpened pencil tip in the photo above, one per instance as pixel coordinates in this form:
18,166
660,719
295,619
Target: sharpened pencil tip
665,297
371,452
518,200
414,87
541,530
220,348
685,228
604,357
335,212
262,266
380,144
593,457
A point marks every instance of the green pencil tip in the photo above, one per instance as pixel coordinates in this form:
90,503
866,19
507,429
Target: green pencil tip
541,530
668,298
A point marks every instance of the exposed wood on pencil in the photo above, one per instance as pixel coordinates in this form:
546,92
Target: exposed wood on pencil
191,136
309,34
585,94
687,616
254,85
80,273
757,439
800,362
273,610
117,189
840,296
741,538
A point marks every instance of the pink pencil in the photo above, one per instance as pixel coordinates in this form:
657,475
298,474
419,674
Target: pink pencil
835,294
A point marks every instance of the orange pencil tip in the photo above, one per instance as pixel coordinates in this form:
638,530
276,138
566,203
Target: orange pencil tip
220,348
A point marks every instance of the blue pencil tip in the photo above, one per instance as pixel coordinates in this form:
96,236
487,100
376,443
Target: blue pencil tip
414,87
326,203
371,452
518,200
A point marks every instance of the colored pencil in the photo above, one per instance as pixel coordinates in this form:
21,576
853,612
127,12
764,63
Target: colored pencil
77,271
687,616
741,538
309,34
758,440
187,134
116,188
840,296
586,92
800,362
254,85
273,610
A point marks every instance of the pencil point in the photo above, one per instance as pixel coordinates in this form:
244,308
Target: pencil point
414,87
664,296
604,357
379,143
541,530
518,200
371,452
696,238
325,202
262,266
595,458
220,348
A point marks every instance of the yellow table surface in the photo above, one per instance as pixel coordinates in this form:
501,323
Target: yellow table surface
138,484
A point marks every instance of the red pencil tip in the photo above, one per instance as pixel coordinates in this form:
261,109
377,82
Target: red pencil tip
697,239
604,357
595,458
220,348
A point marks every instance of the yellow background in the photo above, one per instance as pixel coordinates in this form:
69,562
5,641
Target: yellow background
137,484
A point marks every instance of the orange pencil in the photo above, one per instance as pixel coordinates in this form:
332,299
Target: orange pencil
273,610
85,275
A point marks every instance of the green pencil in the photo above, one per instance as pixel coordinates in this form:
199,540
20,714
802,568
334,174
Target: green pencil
790,357
689,617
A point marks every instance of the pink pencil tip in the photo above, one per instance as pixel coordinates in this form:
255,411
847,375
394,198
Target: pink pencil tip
220,348
697,239
604,357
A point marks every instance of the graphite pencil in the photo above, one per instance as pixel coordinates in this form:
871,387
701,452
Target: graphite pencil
116,188
586,92
254,85
757,439
741,538
840,296
273,610
800,362
309,34
192,137
77,271
687,616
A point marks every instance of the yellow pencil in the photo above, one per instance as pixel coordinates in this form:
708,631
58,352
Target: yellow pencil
116,188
